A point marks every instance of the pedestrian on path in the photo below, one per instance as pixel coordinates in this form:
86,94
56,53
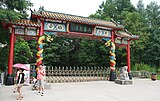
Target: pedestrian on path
40,80
15,88
20,82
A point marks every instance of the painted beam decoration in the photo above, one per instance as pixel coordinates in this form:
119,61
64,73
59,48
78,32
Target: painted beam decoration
121,41
81,28
19,30
31,31
124,41
118,41
55,26
103,32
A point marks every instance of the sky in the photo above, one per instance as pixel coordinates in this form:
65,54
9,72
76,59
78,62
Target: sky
75,7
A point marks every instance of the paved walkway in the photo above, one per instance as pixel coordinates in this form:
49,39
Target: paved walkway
140,90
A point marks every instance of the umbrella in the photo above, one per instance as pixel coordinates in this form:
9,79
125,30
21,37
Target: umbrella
22,66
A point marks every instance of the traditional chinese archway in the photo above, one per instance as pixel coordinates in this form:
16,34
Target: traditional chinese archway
59,24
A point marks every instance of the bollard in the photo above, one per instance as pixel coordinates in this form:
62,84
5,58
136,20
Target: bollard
153,76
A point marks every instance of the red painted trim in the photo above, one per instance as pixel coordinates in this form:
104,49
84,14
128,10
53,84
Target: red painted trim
80,33
93,30
41,29
121,45
112,35
70,34
26,35
128,56
11,52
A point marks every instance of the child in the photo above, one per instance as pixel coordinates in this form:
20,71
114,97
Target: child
20,82
34,84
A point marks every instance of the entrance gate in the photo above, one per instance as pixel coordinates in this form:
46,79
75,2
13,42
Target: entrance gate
59,24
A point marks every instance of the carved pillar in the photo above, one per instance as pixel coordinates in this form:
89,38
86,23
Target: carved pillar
40,45
112,72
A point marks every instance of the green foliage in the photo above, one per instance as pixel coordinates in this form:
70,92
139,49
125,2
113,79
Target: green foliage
93,53
33,47
11,10
4,58
113,9
79,52
139,21
158,76
76,52
14,9
152,54
8,15
20,5
120,57
142,66
4,51
22,52
153,14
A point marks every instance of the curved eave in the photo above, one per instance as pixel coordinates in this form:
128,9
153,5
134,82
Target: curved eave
27,23
76,19
127,35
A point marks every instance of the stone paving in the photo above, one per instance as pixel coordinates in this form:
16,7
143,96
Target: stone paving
140,90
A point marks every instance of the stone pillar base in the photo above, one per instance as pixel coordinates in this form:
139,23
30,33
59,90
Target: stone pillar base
9,79
112,75
123,82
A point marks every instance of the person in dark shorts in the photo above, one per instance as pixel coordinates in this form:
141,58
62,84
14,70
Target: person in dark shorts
20,82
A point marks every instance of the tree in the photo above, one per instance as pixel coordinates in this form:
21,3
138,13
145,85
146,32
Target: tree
140,7
3,58
106,11
153,14
10,10
93,53
22,52
112,9
152,53
33,47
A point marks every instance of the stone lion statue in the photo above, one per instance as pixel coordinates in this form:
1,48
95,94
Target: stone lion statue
124,73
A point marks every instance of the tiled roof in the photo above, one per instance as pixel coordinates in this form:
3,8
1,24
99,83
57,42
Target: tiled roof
126,35
26,23
77,19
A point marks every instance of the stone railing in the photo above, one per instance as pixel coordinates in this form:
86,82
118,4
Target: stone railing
76,74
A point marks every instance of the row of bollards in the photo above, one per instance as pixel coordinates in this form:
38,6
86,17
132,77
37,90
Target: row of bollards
76,74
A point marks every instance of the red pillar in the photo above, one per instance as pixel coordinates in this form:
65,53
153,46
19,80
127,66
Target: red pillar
41,28
112,35
128,56
9,77
11,52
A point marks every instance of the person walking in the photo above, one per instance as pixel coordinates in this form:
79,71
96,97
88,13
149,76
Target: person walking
40,80
20,82
15,88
